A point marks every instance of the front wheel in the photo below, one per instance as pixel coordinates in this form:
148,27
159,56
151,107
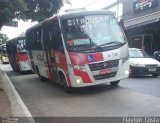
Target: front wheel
115,83
64,83
39,76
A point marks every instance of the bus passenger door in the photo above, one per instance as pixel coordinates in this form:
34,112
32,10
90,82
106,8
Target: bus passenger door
47,50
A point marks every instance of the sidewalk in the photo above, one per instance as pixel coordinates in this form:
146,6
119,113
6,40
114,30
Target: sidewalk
11,104
5,106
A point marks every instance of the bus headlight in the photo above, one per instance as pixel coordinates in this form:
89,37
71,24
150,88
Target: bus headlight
127,72
79,80
78,67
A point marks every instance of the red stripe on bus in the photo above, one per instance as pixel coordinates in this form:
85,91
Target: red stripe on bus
81,59
22,57
60,61
83,75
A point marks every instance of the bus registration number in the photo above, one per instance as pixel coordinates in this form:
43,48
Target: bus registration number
105,71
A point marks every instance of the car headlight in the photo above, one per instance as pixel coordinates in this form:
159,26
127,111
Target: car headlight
158,65
137,65
78,67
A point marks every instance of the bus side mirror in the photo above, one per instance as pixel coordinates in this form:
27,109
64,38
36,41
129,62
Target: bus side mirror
121,23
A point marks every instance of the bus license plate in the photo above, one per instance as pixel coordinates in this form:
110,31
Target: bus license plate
105,71
152,69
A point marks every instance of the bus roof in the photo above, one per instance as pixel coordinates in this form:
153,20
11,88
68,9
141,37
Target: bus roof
19,37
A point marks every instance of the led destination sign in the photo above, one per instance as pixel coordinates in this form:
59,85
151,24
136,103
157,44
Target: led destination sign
87,20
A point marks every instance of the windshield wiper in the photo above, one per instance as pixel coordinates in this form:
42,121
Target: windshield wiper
113,42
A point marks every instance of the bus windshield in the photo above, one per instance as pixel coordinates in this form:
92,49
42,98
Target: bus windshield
92,33
21,46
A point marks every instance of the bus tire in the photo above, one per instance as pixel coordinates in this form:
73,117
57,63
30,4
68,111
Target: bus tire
39,76
64,83
115,83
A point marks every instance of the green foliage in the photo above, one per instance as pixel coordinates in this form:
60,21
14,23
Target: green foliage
10,9
3,38
36,10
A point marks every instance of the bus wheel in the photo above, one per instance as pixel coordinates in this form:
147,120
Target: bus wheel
39,76
115,83
64,83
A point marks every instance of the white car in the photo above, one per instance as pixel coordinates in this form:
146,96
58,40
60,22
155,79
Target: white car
142,63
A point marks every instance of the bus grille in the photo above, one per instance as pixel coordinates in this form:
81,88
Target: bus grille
104,65
105,76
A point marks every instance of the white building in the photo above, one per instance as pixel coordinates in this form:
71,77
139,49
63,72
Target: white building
116,6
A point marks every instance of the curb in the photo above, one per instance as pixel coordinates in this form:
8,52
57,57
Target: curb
18,108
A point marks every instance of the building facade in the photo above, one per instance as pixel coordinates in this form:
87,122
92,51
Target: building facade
142,24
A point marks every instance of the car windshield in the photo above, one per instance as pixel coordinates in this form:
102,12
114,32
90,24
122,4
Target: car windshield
92,32
138,54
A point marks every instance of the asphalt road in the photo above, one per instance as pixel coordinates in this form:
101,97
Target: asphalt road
133,97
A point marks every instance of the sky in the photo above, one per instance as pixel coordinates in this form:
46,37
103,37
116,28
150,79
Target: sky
12,32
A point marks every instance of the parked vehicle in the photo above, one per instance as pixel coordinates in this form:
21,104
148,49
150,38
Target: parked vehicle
17,54
142,63
80,48
3,54
157,55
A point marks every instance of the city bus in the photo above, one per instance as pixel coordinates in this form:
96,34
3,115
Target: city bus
3,54
17,54
79,49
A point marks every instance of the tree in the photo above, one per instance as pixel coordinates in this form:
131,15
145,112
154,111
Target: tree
10,9
36,10
3,38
